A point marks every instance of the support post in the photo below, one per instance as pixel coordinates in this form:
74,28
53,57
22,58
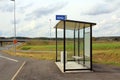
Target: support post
1,43
84,45
56,45
74,42
91,47
64,42
78,42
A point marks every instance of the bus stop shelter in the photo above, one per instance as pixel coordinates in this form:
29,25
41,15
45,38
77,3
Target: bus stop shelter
74,45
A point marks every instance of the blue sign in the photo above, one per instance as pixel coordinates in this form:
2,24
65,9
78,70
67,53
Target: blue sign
61,17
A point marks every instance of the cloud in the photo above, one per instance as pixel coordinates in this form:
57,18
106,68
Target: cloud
101,9
106,7
27,26
33,17
17,21
0,33
112,1
6,33
33,30
108,26
43,11
10,7
108,30
7,8
3,0
22,8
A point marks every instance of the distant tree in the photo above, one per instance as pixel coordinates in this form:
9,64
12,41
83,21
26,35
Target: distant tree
2,37
116,39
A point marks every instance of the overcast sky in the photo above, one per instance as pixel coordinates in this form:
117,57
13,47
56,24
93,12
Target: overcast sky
33,16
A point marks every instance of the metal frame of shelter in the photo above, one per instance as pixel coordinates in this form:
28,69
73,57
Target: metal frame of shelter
74,26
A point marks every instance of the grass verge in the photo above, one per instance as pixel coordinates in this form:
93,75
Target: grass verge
103,52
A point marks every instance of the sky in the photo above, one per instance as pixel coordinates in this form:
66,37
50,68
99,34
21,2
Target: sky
35,18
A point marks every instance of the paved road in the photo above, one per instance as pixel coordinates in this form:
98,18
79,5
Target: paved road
11,40
9,65
7,47
47,70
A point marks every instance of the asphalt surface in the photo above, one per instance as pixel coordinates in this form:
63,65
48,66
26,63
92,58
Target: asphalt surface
9,66
7,47
47,70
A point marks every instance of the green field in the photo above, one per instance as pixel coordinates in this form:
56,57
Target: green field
104,52
106,45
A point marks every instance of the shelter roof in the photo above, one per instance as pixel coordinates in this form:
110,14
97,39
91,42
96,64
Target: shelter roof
72,24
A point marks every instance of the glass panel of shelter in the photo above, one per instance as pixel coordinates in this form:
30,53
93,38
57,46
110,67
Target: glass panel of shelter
87,47
77,44
60,45
78,48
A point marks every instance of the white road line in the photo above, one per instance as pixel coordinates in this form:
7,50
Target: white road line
9,58
13,78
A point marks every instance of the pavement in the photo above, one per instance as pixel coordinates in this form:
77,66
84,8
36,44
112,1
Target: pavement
47,70
10,69
9,65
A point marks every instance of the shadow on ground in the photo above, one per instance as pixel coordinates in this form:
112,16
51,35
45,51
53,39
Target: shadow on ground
105,68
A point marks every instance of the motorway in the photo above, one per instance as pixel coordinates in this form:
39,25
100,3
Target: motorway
9,66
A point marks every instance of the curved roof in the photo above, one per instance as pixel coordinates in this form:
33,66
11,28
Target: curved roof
71,24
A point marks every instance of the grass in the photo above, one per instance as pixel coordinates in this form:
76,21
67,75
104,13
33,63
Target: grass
106,45
45,45
35,55
41,48
107,56
106,52
103,52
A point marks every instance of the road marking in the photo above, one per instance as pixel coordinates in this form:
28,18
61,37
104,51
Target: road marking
9,58
13,78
